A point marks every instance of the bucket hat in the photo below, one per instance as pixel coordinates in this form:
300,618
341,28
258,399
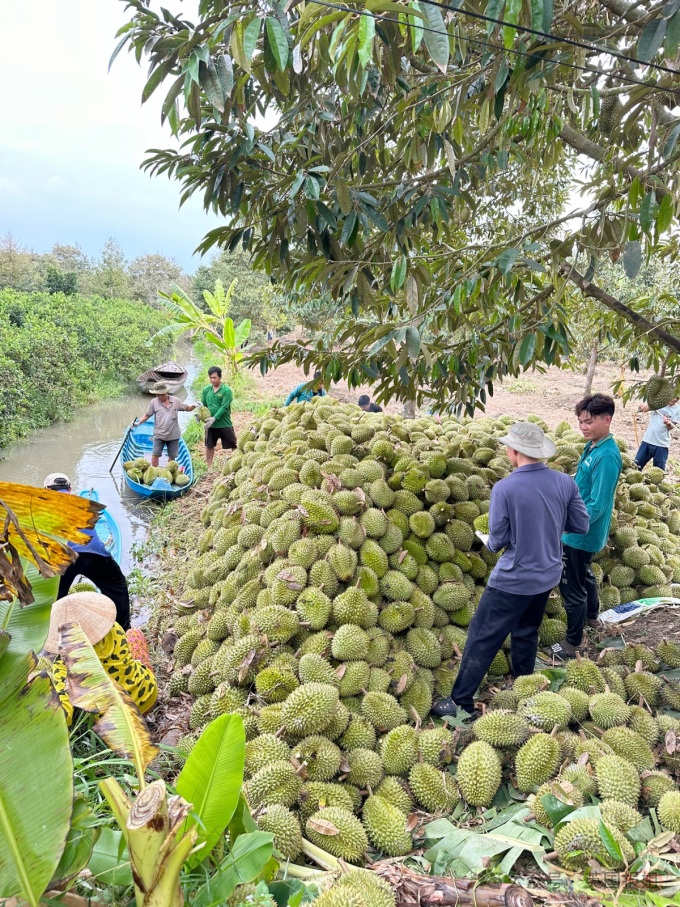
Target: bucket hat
95,614
160,387
529,439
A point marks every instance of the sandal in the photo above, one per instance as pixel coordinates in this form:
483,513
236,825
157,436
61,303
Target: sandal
559,650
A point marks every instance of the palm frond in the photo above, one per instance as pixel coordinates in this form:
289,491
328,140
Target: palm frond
168,330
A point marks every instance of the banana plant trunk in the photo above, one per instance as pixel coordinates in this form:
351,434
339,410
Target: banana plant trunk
150,824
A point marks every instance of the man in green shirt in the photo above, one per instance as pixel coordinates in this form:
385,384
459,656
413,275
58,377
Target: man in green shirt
597,476
217,397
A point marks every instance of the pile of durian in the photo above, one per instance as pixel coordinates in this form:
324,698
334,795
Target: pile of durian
142,472
328,603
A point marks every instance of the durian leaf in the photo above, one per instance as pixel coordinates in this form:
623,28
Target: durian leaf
90,688
556,809
211,780
610,843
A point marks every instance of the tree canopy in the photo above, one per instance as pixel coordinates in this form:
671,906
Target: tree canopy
415,163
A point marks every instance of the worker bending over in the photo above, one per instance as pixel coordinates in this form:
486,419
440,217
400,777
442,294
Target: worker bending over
528,512
657,439
305,391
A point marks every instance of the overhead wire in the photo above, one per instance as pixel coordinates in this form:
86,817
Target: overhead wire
543,34
532,54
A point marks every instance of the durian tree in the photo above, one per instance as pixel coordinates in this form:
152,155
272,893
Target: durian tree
412,161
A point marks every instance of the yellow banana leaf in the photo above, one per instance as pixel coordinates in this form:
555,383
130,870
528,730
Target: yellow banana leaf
89,687
44,521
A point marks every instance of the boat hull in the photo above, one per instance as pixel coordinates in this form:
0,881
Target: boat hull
107,528
139,443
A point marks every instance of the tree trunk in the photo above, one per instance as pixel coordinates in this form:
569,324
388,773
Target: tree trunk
590,371
413,889
409,409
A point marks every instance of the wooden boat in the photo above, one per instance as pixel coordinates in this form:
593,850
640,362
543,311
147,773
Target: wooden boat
107,528
173,374
139,443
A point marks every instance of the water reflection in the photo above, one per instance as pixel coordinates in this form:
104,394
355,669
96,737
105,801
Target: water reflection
84,448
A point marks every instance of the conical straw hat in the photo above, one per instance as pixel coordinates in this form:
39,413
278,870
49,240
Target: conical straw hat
94,613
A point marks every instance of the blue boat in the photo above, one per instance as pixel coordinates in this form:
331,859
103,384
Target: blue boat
107,528
139,443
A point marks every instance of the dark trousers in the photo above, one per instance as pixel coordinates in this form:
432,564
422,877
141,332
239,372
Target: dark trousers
578,588
105,573
498,614
646,452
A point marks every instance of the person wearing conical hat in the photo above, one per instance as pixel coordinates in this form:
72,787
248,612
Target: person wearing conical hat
164,410
95,614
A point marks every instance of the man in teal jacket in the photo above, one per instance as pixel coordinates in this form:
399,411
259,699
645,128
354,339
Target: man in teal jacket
597,477
303,392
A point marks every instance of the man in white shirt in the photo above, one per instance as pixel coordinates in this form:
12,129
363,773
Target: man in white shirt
657,438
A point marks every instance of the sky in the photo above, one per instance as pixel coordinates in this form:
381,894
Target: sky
72,137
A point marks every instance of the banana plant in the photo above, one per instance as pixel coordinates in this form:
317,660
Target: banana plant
218,328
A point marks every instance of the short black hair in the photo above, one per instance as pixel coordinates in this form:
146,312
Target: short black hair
596,405
215,370
59,485
364,400
317,374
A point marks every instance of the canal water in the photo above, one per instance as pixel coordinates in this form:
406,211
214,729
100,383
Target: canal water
84,449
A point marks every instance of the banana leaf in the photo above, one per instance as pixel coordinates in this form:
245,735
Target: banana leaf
211,780
26,627
36,787
248,858
110,861
120,725
81,839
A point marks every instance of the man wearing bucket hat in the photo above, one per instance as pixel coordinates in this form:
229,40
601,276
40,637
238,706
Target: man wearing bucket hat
96,616
93,561
528,512
166,431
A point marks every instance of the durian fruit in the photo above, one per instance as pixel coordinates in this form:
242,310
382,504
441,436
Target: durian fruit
316,796
580,776
527,684
584,674
374,890
631,747
320,757
545,710
654,785
617,779
608,710
399,750
366,768
309,709
394,791
280,822
264,749
383,711
563,790
668,810
668,651
275,782
645,684
623,816
578,700
537,761
644,724
434,746
433,788
385,826
478,773
670,694
502,729
659,392
338,832
580,841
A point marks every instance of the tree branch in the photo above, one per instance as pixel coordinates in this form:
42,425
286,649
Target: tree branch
627,11
620,308
592,150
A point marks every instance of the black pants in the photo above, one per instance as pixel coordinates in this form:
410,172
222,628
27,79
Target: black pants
105,573
498,614
578,588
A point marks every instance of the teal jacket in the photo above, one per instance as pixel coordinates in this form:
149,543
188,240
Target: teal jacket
597,477
303,393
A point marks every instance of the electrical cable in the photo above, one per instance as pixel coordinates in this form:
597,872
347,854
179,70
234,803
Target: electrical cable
542,34
533,54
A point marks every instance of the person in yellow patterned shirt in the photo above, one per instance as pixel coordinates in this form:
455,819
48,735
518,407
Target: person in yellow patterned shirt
96,616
